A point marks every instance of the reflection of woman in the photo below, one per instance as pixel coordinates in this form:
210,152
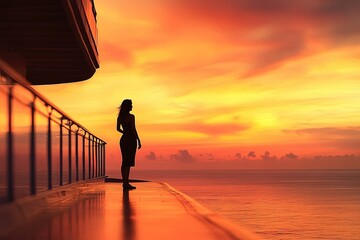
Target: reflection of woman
128,218
129,140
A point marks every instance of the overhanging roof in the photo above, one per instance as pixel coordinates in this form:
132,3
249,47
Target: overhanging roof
57,38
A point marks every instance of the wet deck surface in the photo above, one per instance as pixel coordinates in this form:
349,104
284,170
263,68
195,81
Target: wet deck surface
152,211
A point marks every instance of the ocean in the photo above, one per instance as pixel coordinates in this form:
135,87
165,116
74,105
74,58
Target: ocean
279,205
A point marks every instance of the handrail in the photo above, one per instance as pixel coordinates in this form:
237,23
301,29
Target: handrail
51,139
26,84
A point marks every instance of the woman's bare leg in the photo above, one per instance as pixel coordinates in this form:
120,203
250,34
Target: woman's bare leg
125,171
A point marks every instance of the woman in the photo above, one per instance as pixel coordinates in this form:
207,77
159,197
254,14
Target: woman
128,142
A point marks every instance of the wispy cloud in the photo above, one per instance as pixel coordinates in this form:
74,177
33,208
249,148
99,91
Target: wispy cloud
337,137
329,131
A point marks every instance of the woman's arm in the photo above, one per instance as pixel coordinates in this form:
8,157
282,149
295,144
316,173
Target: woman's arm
135,132
118,124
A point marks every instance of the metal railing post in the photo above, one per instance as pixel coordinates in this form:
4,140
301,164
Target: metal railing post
89,147
77,154
93,157
96,158
99,155
69,162
10,156
49,152
100,159
83,155
104,161
32,150
61,152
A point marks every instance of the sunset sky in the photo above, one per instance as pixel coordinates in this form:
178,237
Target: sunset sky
215,81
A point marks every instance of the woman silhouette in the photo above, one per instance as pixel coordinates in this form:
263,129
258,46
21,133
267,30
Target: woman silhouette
129,140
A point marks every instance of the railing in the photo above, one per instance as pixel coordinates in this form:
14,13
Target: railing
40,146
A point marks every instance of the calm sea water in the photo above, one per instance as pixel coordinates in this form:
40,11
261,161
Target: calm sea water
280,205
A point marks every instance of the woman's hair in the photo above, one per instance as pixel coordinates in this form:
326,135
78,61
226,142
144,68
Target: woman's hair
124,108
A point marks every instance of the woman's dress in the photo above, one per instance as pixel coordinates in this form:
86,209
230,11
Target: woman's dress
128,145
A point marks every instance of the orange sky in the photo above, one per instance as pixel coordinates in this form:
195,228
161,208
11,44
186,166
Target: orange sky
213,80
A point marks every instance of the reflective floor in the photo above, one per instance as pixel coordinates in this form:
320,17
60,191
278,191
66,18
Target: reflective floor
150,212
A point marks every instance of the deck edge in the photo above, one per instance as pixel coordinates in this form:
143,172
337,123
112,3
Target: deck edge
215,221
